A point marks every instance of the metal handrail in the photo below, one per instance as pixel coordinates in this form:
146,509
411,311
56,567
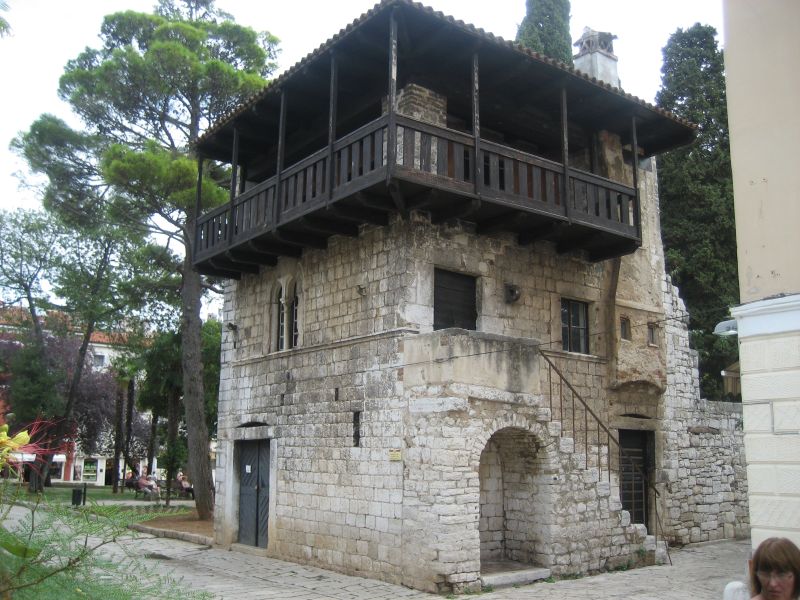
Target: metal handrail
609,435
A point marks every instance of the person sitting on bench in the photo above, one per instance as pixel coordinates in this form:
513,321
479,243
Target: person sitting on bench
148,486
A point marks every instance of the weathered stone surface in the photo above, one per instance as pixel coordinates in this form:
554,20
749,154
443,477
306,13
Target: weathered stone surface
468,446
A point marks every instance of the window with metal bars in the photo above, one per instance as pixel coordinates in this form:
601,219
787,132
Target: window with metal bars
575,326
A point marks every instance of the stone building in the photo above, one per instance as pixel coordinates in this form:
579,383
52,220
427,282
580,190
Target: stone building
437,367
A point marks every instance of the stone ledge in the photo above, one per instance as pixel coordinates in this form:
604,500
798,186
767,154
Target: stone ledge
193,538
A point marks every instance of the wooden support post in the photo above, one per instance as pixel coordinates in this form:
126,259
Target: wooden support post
334,93
476,123
276,210
391,102
234,179
242,178
565,154
198,205
637,215
234,164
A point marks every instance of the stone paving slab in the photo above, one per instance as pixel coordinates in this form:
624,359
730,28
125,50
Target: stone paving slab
699,572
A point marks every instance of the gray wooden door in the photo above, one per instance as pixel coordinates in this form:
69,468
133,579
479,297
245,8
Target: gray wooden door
253,492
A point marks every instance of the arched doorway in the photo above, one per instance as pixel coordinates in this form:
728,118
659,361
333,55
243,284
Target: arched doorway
513,499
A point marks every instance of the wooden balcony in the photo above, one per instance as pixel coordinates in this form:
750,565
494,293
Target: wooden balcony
395,163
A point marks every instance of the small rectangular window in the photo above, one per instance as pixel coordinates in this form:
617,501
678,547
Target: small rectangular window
575,326
454,300
356,428
652,339
625,328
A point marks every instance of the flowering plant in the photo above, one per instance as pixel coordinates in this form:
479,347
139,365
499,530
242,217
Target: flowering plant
21,442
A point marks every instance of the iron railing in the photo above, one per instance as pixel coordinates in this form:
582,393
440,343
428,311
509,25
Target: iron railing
571,409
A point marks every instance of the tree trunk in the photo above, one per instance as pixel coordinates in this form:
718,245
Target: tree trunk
173,412
193,397
153,442
129,415
117,436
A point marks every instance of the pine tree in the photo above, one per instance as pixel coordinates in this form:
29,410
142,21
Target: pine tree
696,192
545,29
155,82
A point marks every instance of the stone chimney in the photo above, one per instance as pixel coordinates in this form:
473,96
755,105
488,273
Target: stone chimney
596,57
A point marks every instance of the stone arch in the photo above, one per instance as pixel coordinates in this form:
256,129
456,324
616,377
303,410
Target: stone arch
548,446
516,500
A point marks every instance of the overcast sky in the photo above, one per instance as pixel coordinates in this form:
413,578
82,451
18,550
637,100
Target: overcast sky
47,33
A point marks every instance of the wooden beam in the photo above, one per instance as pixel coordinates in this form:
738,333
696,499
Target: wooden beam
197,203
543,232
424,199
324,227
397,196
234,164
458,210
613,250
565,154
301,239
333,97
212,271
232,191
223,266
360,215
476,123
391,150
278,249
501,222
248,258
637,215
577,242
372,201
280,156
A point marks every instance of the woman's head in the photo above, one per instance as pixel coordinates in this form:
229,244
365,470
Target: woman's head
775,569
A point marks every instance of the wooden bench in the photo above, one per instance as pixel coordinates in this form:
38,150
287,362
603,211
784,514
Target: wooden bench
146,493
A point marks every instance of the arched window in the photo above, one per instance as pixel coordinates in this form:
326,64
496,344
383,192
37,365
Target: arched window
280,326
284,316
293,328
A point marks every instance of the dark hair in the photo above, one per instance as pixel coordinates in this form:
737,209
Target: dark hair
775,554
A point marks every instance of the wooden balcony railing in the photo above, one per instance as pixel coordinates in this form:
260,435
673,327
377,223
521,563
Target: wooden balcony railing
426,154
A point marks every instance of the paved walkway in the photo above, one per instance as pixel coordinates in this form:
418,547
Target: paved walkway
699,573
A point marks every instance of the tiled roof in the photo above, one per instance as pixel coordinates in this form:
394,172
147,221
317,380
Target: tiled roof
471,29
16,317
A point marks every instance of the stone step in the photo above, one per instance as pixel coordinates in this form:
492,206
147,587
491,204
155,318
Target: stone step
505,573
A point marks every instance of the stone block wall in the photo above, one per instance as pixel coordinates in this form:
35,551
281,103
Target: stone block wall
703,472
402,500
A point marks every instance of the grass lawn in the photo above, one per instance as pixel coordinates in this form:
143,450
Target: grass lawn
63,493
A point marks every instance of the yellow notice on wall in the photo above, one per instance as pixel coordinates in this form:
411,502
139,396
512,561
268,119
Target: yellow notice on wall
395,455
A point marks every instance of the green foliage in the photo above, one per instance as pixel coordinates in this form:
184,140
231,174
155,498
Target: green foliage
29,242
545,29
4,26
34,389
155,179
163,77
163,375
51,551
163,372
696,192
144,95
212,343
173,457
